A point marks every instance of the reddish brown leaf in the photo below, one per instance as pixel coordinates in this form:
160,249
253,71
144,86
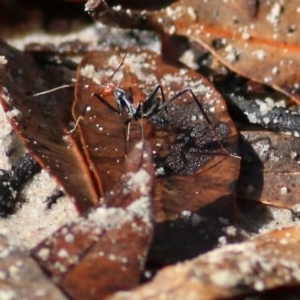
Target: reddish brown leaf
269,261
21,277
258,39
42,122
105,250
270,169
193,169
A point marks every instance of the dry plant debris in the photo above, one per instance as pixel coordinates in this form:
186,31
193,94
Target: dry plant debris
266,262
147,206
244,35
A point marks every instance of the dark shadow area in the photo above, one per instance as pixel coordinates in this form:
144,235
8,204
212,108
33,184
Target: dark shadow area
252,213
137,4
199,232
286,293
12,181
250,183
191,235
53,14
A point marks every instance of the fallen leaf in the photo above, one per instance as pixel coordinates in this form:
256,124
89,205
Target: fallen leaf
257,39
270,168
193,169
21,277
42,122
105,250
266,262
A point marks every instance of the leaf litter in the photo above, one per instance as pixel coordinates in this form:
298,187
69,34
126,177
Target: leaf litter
256,287
240,35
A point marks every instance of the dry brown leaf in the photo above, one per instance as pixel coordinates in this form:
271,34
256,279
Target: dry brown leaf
266,262
21,277
105,250
270,168
193,169
42,122
258,39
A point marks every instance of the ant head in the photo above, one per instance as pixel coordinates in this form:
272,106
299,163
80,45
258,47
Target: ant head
125,101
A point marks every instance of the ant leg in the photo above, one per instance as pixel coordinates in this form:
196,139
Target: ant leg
152,103
142,122
182,92
188,90
126,133
128,123
54,89
155,91
98,97
80,117
209,122
105,102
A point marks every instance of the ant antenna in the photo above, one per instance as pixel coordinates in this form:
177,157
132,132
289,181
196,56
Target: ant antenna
54,89
74,84
106,89
119,67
